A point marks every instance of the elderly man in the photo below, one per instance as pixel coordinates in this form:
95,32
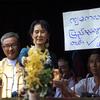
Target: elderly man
11,72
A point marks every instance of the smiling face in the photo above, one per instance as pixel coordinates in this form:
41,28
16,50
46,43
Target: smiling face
10,47
39,35
94,64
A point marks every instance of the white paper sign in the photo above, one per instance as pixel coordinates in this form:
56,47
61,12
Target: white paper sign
82,29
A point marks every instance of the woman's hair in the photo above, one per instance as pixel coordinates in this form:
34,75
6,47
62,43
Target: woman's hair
94,51
43,23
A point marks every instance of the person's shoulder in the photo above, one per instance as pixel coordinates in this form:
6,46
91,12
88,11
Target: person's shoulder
81,81
2,62
24,50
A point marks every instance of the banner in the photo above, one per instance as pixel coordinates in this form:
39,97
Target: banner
81,29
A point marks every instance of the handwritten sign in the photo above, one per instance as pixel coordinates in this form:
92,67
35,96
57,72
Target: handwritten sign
82,29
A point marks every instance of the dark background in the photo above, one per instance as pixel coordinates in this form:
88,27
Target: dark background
17,15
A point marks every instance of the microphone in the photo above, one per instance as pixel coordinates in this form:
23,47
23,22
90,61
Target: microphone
23,53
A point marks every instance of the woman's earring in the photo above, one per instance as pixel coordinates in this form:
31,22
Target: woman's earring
33,41
47,45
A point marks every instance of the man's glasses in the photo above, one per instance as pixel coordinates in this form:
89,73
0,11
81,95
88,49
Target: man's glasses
14,46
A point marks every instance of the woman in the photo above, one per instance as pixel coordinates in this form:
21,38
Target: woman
40,34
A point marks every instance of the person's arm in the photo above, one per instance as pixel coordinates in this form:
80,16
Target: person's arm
66,92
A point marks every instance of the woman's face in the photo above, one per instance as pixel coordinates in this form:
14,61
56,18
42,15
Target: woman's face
40,35
94,64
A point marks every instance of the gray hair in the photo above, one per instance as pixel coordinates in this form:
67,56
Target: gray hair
8,35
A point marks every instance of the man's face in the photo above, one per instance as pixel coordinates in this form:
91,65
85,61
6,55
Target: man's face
10,47
64,67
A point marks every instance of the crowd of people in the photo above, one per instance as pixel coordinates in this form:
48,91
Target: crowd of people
64,82
89,86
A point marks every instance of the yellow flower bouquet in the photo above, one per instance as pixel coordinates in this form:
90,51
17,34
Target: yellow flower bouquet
38,77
